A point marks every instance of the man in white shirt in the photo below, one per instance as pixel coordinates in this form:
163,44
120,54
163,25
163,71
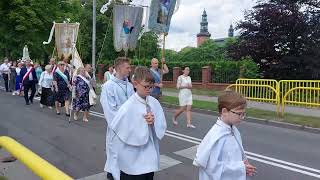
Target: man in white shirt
5,71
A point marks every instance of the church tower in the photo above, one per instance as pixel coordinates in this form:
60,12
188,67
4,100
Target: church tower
231,31
204,34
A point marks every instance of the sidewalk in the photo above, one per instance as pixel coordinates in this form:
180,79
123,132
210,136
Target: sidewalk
15,170
257,105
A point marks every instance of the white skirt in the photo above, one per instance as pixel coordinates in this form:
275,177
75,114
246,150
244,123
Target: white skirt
185,97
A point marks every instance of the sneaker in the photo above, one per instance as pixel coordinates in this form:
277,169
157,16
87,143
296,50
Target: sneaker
85,120
75,116
50,107
41,105
190,126
13,94
174,121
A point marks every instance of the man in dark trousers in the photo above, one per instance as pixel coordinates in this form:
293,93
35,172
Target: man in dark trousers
28,81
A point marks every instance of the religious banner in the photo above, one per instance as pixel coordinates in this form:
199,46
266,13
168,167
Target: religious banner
161,12
126,26
66,37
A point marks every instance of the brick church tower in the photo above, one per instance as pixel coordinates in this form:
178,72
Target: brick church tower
204,34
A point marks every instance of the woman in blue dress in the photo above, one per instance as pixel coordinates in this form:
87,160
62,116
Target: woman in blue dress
18,78
81,99
61,82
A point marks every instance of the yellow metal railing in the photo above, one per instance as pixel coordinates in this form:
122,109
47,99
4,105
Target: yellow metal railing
306,96
258,92
285,92
36,164
287,85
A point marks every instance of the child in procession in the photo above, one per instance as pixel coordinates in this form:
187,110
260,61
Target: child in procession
139,126
220,156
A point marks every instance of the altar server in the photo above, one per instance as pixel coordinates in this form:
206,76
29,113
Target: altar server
114,93
220,156
139,125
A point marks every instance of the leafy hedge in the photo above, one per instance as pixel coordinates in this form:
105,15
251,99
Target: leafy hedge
224,71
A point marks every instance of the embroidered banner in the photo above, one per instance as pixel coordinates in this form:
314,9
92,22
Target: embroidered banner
66,37
126,26
160,15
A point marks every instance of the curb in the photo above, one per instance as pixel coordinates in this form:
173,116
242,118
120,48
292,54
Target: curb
256,120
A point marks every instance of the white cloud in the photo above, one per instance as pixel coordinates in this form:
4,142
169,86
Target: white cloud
185,24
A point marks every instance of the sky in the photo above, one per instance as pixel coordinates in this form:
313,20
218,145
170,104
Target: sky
185,23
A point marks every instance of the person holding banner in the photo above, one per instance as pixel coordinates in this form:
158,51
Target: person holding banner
62,87
157,75
81,100
28,81
52,62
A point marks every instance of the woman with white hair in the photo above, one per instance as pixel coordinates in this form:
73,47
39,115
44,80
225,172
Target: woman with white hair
81,99
45,83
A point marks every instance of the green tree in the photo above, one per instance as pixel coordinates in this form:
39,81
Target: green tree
283,37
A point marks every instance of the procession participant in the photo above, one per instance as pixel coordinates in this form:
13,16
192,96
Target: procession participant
139,126
62,87
52,62
13,75
108,74
5,71
114,93
220,154
46,84
156,72
39,71
91,78
82,89
28,81
18,78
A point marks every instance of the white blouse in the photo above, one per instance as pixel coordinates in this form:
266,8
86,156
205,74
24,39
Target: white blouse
46,79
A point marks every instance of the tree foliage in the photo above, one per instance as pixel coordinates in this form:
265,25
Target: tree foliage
28,22
283,37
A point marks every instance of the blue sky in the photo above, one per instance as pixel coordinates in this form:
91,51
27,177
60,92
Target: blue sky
185,23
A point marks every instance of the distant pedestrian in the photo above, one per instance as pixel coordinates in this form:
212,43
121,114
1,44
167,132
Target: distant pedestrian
62,88
38,70
184,84
46,84
220,155
13,75
108,74
28,81
18,78
5,72
81,99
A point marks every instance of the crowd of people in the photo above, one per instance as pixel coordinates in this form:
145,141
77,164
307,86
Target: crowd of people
57,85
136,121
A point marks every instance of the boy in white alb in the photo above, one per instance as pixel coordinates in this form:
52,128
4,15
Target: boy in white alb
220,156
139,125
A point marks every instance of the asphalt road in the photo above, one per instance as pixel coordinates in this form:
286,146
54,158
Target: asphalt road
78,148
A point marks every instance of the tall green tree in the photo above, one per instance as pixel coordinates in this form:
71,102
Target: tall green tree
282,36
28,22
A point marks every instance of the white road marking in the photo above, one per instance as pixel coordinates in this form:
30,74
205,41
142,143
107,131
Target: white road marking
258,157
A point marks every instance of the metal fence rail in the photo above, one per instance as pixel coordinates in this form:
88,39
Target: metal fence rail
36,164
305,96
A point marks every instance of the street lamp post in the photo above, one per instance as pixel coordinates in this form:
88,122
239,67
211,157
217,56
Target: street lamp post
94,37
